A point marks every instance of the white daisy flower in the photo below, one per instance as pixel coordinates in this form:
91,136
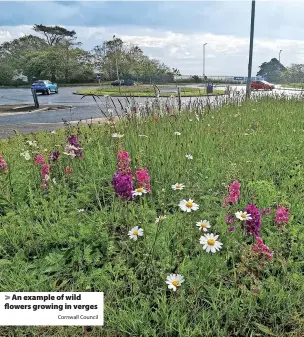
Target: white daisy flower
189,156
26,155
177,133
53,132
243,216
174,281
188,206
32,143
142,136
178,186
54,181
210,243
139,191
161,218
135,232
80,210
203,225
117,135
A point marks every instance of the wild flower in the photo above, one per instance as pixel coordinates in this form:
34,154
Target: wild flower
26,155
160,219
54,156
174,281
32,143
135,232
188,206
282,215
243,216
45,175
266,211
177,133
189,156
143,179
234,193
72,148
123,160
210,243
178,186
203,225
3,165
117,135
262,250
123,184
39,159
139,191
253,225
68,170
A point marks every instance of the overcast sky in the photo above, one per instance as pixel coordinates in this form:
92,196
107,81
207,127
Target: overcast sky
174,31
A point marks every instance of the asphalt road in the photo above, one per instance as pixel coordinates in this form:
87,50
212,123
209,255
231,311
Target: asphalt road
80,108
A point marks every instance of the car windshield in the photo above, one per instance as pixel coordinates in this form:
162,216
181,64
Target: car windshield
39,82
265,82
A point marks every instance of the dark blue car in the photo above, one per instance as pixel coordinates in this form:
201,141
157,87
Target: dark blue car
45,86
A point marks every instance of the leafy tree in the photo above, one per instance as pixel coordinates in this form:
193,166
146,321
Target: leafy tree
293,74
54,34
272,70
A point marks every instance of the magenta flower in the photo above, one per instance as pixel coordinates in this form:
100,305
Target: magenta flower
123,160
234,193
261,249
39,160
143,179
123,184
282,215
253,225
54,156
3,165
266,211
72,148
45,175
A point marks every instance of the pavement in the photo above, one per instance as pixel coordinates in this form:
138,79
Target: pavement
80,108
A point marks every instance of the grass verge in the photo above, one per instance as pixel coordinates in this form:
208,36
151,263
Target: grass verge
73,236
144,91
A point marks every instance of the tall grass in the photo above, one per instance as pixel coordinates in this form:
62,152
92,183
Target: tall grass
47,245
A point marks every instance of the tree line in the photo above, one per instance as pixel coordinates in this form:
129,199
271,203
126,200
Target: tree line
56,55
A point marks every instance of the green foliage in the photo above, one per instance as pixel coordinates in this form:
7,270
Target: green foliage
272,70
46,244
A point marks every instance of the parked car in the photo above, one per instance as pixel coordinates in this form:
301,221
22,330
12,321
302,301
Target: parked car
117,83
122,82
256,85
45,87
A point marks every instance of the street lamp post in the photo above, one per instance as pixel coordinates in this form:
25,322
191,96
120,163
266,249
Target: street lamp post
204,61
280,55
250,49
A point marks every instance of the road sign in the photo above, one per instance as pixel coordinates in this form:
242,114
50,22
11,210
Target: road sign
98,76
238,78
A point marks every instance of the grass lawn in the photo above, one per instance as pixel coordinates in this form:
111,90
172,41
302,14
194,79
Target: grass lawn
143,91
294,85
73,234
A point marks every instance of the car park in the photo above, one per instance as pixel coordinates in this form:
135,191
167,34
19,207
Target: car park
45,87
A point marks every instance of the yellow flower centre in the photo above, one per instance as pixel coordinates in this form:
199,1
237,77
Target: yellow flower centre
175,283
178,186
135,233
204,225
243,215
211,242
140,190
189,204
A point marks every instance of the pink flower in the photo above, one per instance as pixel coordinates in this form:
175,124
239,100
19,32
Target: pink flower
45,175
253,225
68,171
262,250
143,179
282,215
123,160
234,193
39,160
3,165
123,184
